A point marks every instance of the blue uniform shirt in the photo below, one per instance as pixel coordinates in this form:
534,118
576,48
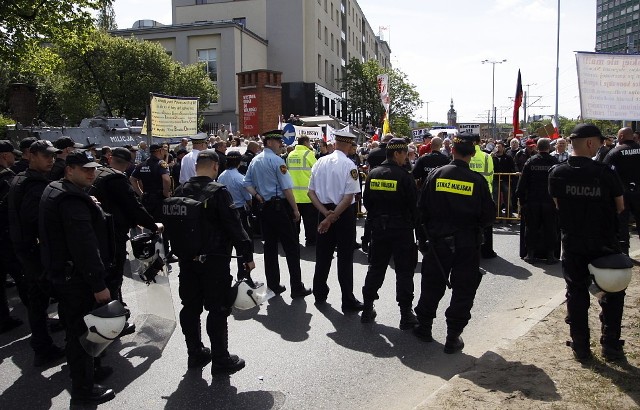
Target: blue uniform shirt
233,180
268,174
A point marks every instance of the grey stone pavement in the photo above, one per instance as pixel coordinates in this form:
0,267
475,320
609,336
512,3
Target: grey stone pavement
298,357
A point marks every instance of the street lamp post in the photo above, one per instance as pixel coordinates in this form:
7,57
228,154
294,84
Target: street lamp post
493,94
427,102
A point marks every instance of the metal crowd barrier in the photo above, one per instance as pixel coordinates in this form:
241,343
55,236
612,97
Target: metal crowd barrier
504,186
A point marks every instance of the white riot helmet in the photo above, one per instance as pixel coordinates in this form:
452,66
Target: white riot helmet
249,297
104,324
611,273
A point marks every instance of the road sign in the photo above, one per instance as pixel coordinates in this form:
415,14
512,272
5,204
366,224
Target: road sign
289,134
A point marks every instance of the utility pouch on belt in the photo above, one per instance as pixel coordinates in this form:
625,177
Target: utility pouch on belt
450,241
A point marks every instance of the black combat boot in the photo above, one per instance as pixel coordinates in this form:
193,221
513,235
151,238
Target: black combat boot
226,365
408,319
551,258
581,351
530,258
612,352
368,313
94,395
453,344
423,331
199,358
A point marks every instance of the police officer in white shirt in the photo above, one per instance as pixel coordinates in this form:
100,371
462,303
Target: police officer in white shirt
188,163
332,188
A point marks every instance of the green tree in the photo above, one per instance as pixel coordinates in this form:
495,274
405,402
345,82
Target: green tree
25,23
360,84
106,19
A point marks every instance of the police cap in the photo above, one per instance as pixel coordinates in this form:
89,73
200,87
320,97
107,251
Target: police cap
586,131
43,146
463,143
344,136
397,144
121,153
155,147
273,134
207,155
65,142
200,137
234,155
7,146
26,143
82,158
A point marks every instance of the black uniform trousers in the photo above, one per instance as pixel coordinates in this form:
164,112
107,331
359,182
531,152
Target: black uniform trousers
631,207
486,249
541,230
75,301
462,266
9,265
340,235
576,273
115,273
278,225
309,216
385,243
244,218
39,290
205,285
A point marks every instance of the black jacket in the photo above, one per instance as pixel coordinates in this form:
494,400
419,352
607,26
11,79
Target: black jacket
533,185
625,158
429,162
24,200
390,196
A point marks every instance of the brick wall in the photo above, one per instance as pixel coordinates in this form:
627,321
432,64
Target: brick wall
260,101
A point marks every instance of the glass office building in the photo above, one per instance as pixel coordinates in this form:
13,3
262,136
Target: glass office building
618,26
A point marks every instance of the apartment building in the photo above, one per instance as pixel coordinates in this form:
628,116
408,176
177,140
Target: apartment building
618,26
309,41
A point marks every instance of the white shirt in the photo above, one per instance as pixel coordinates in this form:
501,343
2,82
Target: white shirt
188,166
334,176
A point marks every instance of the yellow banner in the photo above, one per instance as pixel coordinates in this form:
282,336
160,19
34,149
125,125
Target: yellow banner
383,185
454,186
173,116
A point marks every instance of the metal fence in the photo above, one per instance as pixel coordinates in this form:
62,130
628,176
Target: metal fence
504,187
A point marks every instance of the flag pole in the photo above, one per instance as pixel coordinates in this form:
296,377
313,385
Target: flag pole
557,66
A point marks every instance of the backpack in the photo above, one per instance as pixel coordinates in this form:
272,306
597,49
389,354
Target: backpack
186,223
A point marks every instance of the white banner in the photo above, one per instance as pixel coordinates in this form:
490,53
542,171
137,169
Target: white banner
383,90
609,86
311,132
172,116
330,134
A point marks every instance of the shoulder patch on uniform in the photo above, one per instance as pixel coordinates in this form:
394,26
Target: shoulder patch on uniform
354,174
283,169
163,164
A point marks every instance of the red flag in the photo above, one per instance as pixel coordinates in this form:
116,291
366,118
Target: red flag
555,135
517,102
375,136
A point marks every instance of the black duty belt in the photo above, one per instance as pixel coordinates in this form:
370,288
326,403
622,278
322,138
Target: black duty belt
330,207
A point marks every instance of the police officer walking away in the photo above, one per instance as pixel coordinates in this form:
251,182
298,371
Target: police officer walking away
429,162
268,180
116,196
390,196
537,205
625,160
74,245
455,206
299,162
9,264
482,163
332,188
24,199
589,195
205,279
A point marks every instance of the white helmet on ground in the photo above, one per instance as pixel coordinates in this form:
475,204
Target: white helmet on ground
249,297
611,273
104,325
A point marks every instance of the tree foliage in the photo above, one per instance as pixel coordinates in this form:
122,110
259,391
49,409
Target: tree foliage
106,19
566,125
360,84
28,23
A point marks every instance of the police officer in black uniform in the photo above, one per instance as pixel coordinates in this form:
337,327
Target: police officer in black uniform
151,181
537,205
252,150
390,196
24,199
74,240
116,196
429,162
625,160
589,197
23,163
455,206
65,145
207,281
9,264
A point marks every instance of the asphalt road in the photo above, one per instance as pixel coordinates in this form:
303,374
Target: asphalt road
298,357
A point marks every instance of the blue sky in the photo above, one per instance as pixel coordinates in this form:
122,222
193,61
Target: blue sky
440,46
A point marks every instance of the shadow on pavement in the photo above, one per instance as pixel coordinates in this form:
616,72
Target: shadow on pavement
512,377
296,326
502,267
384,341
193,392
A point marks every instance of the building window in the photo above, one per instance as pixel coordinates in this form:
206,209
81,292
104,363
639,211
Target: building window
326,36
209,57
319,29
319,66
333,78
326,70
332,48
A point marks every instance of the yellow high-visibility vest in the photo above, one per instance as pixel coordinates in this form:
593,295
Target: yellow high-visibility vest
483,164
299,163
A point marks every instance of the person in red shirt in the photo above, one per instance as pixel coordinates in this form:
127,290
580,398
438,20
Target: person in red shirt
425,148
